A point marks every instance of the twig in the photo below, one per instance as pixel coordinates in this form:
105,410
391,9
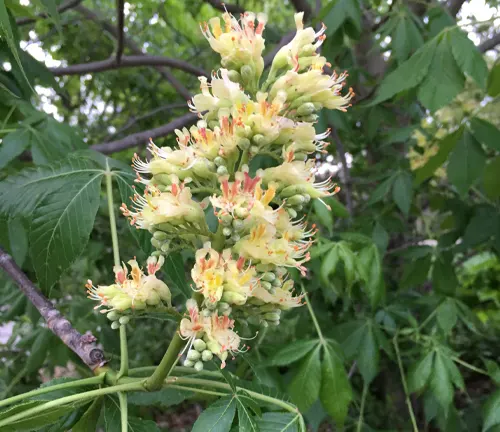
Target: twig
489,44
121,24
64,7
84,346
347,173
142,137
111,29
128,61
222,6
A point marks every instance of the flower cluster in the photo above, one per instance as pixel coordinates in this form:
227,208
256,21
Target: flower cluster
241,268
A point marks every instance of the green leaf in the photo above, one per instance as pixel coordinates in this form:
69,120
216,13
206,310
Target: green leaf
468,57
336,391
324,215
13,145
447,315
491,179
329,263
444,279
416,272
136,424
337,208
112,419
246,422
165,397
402,191
369,260
305,386
51,8
341,11
420,372
492,411
446,145
278,422
381,191
440,383
38,350
482,226
18,240
445,80
218,417
292,352
408,75
88,422
493,370
61,227
466,163
349,259
174,267
486,133
493,86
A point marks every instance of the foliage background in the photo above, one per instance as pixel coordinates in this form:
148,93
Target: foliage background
404,278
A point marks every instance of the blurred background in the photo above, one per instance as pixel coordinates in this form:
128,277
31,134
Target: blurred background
406,262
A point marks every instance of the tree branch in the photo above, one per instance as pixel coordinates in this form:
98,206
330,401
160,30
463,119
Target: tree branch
111,29
128,61
347,173
454,6
489,44
121,34
302,6
84,346
142,137
231,8
64,7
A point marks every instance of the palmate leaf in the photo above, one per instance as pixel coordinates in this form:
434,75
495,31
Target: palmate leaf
218,417
112,420
246,421
306,384
292,352
278,422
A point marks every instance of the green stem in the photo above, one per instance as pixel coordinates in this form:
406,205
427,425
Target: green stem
122,398
133,386
198,390
405,386
469,366
6,119
162,371
112,220
428,319
176,370
313,316
123,352
14,381
362,408
86,381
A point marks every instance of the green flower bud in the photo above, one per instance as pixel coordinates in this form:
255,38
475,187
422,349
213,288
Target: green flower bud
210,305
264,324
276,283
115,325
234,298
223,306
160,236
165,247
266,285
234,76
268,308
157,244
299,207
300,156
227,231
268,277
264,267
193,355
254,320
242,212
291,212
254,150
113,315
295,200
247,73
199,345
124,320
214,347
222,171
226,220
310,118
207,355
307,198
238,225
244,143
235,237
292,190
219,161
272,316
198,366
306,109
259,140
188,363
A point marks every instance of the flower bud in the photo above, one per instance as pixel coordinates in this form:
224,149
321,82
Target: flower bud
226,220
300,156
198,366
276,283
223,306
234,298
254,320
263,267
222,171
214,347
296,200
310,118
244,143
272,316
259,140
188,363
160,236
207,355
157,244
291,212
234,76
266,285
124,320
227,231
113,315
238,225
254,150
306,109
193,355
292,190
268,277
206,313
235,237
247,73
199,345
219,161
115,325
242,212
165,247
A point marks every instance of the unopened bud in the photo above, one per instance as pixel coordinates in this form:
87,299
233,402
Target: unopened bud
234,76
206,313
247,73
254,150
226,220
310,118
259,140
160,236
165,247
188,363
115,325
263,267
235,237
234,298
296,200
113,316
222,171
219,161
306,109
292,190
238,225
266,285
244,143
124,320
157,244
272,316
268,277
276,283
207,355
193,355
254,320
300,156
242,212
223,306
291,212
227,231
199,345
198,366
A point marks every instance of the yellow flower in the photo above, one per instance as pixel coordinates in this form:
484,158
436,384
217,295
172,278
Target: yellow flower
239,42
190,327
136,292
208,273
239,282
282,297
175,207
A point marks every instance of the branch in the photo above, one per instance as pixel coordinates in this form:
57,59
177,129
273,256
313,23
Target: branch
84,346
302,6
64,7
455,6
121,25
128,61
111,29
489,44
231,8
142,137
345,169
